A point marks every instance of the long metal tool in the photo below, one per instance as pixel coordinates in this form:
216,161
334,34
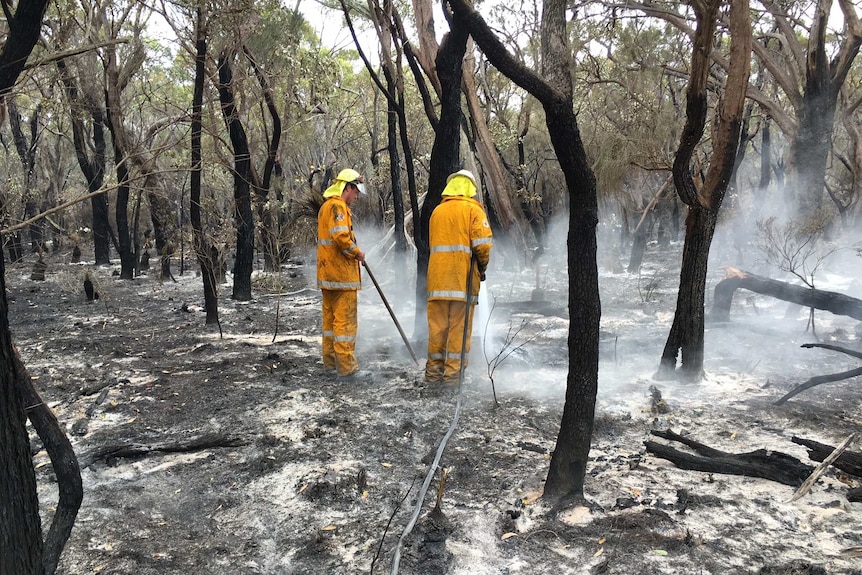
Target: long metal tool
391,313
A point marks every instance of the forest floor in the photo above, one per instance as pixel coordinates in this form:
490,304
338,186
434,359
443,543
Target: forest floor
234,454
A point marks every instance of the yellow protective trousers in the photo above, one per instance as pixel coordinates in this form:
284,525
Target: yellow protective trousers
445,332
339,331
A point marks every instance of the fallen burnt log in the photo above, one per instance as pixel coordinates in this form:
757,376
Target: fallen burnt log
132,449
834,302
772,465
819,379
848,462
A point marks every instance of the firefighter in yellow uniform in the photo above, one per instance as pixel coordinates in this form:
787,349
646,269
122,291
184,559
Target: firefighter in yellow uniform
338,259
458,231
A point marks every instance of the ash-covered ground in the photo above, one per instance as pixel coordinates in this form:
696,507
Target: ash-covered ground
236,454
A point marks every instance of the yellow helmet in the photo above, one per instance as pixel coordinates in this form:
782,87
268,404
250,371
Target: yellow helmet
461,183
344,177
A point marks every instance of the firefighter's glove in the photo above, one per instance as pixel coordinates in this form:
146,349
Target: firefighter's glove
481,276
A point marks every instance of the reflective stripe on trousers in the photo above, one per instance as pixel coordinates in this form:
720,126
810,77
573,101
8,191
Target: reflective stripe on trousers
445,331
452,294
339,330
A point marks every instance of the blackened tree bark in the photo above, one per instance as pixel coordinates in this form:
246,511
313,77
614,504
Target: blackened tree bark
531,206
392,107
202,247
445,155
128,153
26,145
243,216
162,217
117,75
810,149
384,21
124,236
402,115
92,168
554,90
20,531
63,461
685,340
21,544
124,233
810,79
269,232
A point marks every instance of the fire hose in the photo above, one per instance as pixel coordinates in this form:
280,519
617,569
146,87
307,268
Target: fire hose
420,498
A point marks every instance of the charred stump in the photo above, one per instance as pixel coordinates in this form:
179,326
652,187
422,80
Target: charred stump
39,268
90,289
763,463
834,302
433,532
145,260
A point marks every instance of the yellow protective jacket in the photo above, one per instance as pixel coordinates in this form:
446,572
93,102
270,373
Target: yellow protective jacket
458,229
337,266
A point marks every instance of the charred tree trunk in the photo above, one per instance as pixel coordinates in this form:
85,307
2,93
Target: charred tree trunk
385,20
114,84
21,546
685,340
269,229
825,74
64,463
834,302
27,154
243,216
554,90
202,247
124,236
127,253
765,158
15,247
161,217
93,169
101,226
394,160
406,148
531,207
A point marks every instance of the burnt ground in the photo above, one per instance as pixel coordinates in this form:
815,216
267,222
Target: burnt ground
237,454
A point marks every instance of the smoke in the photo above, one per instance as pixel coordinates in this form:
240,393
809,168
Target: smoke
521,323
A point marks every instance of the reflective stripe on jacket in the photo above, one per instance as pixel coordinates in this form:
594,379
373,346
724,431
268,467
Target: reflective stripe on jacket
337,266
458,229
